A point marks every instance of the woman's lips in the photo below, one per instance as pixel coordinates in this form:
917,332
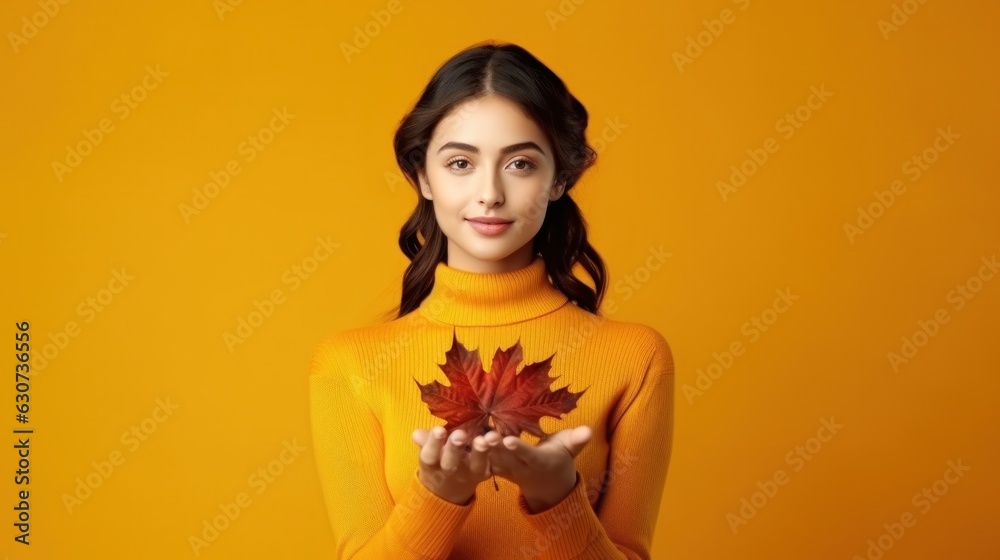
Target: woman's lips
489,229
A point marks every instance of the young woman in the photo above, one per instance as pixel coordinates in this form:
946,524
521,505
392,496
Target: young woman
493,147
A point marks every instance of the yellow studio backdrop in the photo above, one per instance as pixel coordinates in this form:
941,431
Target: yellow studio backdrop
800,196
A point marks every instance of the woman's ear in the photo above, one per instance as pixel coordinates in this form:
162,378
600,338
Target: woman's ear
425,187
558,189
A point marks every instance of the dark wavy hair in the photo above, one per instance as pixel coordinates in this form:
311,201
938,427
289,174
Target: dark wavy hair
510,71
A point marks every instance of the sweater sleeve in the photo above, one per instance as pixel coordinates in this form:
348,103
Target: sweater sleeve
639,453
349,450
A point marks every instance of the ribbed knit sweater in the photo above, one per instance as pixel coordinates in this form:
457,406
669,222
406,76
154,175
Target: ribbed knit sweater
364,407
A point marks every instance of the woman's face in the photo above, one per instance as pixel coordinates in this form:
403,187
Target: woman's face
488,159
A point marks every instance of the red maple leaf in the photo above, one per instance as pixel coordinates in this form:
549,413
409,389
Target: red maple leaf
502,400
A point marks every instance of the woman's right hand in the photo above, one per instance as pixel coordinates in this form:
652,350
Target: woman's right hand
452,468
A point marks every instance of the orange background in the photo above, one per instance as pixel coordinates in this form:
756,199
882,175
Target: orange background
198,80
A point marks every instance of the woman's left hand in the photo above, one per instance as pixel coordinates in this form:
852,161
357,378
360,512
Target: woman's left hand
546,472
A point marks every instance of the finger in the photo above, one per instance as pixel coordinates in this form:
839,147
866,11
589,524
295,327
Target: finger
493,448
454,451
420,436
576,439
570,440
478,456
430,453
519,449
582,435
493,438
499,458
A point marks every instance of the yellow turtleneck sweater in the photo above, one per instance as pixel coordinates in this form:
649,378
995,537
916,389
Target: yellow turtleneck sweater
364,407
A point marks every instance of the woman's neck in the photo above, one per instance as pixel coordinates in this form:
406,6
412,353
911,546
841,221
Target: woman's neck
464,298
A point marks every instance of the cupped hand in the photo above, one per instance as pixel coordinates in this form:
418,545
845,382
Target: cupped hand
452,468
546,472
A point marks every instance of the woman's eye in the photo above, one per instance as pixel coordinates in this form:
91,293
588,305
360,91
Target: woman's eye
528,165
518,165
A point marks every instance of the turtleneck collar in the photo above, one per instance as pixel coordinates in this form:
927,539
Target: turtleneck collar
468,299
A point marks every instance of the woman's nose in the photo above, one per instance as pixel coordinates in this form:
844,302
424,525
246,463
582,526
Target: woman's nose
491,191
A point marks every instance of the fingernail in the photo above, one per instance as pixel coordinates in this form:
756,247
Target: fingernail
439,433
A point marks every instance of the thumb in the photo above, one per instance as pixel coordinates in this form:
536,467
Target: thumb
575,439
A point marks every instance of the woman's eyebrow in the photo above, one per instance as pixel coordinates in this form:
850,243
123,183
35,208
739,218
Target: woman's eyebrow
503,151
